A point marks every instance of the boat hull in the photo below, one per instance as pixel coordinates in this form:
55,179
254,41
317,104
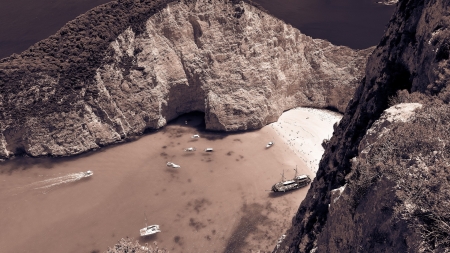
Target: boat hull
290,185
149,230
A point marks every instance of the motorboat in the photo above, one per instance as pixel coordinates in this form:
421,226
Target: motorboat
294,183
270,144
172,165
195,136
149,230
88,173
209,149
190,149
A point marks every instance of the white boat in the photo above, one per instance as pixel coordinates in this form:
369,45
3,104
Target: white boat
269,144
191,149
150,230
88,173
195,136
173,165
209,149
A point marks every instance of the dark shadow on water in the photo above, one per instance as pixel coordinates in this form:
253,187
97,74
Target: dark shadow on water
196,120
281,194
25,162
148,239
251,218
172,171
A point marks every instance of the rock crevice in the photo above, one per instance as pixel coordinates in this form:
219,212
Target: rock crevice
412,56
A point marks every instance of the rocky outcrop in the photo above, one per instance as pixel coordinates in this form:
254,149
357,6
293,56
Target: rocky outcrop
228,59
412,55
364,206
388,2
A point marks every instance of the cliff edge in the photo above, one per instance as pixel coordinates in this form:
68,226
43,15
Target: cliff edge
383,182
128,66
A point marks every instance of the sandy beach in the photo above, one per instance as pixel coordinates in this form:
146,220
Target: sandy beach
303,130
215,202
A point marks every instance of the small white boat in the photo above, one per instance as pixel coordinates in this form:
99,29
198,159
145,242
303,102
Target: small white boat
149,230
191,149
270,144
88,173
195,136
209,149
173,165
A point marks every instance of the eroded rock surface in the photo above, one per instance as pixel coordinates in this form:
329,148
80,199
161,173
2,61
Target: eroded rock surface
388,2
413,55
366,214
236,63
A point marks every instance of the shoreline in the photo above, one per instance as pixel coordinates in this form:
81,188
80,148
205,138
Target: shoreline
303,130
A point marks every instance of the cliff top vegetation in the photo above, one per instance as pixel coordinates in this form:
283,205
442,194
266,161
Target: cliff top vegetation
416,156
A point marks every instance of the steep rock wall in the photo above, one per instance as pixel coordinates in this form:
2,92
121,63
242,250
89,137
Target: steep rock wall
412,55
236,63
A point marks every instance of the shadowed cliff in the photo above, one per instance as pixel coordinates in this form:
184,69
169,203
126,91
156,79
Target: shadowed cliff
383,183
128,66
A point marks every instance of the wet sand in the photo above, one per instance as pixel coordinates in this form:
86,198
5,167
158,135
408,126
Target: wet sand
216,202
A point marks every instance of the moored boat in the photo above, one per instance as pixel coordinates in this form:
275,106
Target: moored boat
295,183
172,165
149,230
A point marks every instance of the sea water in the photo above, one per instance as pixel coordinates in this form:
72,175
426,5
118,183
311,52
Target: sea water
354,23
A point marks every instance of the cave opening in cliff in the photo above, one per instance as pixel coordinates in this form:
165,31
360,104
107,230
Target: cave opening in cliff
195,120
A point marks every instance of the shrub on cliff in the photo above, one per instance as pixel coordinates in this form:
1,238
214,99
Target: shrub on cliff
126,245
416,156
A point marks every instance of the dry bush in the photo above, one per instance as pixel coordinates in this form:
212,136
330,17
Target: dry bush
126,245
403,96
416,155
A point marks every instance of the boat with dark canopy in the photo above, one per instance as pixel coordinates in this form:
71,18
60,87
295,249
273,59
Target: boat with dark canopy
295,183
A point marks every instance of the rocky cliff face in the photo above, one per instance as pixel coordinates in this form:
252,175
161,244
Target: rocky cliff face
236,63
413,55
388,2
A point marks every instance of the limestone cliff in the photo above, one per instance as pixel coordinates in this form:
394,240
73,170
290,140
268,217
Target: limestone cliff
388,2
374,213
129,66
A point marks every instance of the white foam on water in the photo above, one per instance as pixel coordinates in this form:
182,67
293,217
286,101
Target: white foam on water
49,183
52,182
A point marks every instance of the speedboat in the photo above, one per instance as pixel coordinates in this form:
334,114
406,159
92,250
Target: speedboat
209,149
191,149
88,173
149,230
173,165
195,136
269,144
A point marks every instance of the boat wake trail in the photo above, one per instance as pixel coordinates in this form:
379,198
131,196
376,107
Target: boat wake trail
50,183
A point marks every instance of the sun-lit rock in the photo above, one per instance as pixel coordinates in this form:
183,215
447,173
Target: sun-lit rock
239,65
